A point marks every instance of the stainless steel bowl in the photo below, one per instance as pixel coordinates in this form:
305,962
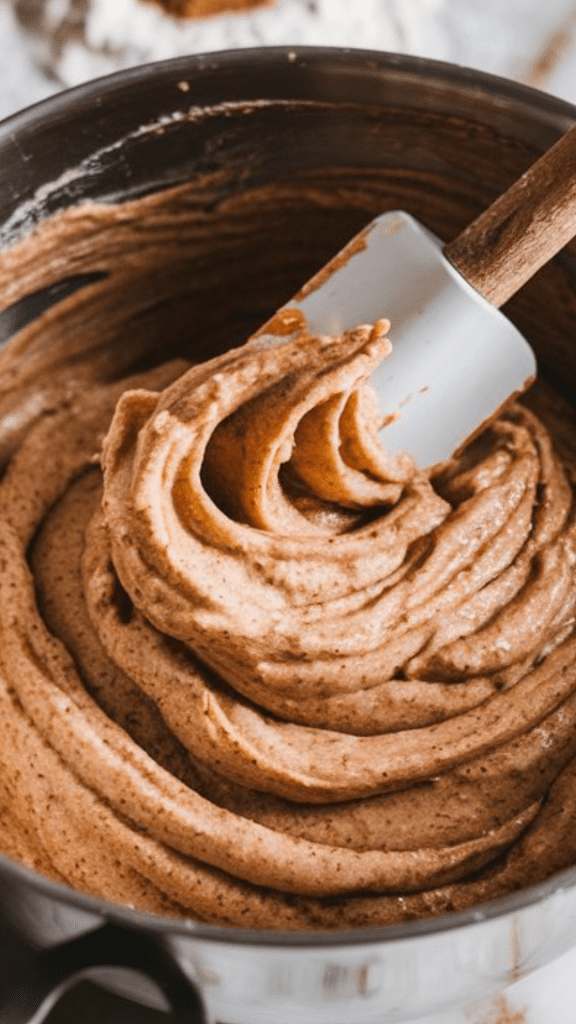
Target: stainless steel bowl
447,140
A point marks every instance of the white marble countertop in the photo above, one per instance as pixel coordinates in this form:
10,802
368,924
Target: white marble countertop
527,40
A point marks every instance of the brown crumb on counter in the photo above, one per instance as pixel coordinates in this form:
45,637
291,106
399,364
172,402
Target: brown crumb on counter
551,53
504,1014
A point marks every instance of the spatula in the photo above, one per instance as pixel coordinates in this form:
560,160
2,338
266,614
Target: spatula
456,359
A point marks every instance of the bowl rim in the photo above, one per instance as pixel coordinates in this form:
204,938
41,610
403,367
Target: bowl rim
176,927
269,57
421,69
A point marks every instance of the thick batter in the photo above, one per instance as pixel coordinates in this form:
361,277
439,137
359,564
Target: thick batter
254,671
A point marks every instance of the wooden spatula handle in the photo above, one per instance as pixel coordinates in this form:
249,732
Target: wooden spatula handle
523,229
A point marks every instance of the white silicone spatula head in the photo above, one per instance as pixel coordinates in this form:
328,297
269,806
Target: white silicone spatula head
456,359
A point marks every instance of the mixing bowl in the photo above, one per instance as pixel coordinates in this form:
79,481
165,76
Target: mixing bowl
442,142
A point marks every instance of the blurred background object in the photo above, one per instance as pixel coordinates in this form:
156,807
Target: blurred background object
46,44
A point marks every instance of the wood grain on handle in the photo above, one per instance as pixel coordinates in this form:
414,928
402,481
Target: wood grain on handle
526,226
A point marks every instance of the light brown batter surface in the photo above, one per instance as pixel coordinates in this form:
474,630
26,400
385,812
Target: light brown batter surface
253,670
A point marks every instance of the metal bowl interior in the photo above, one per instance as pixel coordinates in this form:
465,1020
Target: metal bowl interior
446,140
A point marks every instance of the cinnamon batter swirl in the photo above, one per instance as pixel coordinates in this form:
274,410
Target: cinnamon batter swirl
254,670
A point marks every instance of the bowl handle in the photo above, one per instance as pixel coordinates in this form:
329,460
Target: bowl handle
47,975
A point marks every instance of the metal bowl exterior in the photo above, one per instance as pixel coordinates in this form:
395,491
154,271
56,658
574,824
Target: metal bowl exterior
382,976
133,133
